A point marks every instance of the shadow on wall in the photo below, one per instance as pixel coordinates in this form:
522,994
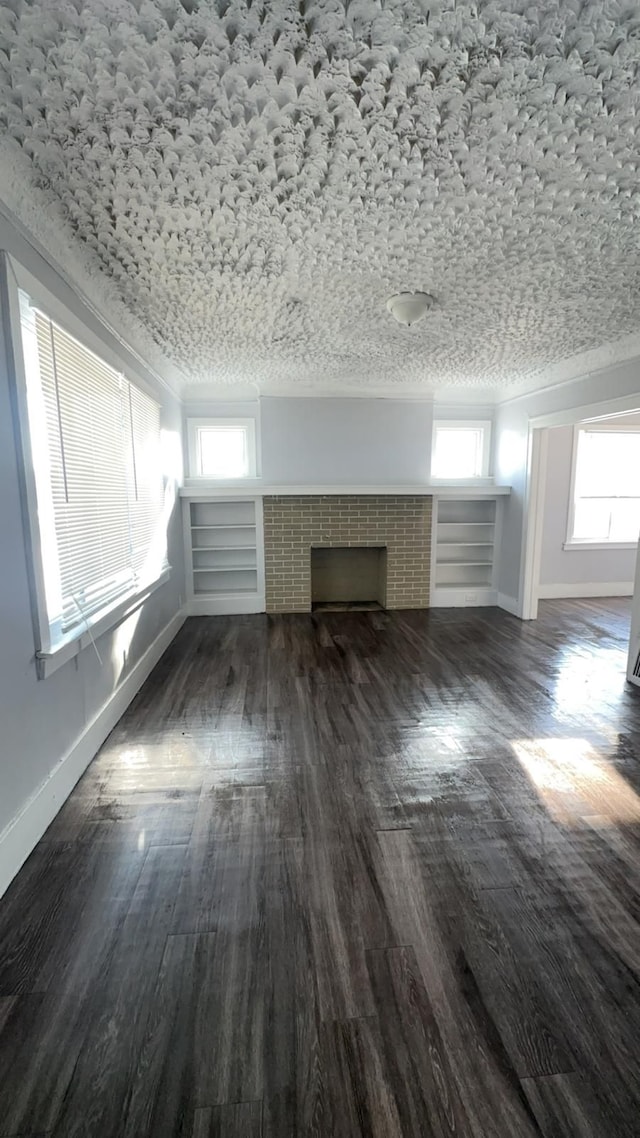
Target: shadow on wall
126,636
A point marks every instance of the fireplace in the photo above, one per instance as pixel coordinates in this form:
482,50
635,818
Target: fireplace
348,577
392,530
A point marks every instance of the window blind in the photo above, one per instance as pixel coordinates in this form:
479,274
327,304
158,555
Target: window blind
105,476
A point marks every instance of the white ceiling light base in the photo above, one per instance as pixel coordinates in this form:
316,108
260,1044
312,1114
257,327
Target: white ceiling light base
408,307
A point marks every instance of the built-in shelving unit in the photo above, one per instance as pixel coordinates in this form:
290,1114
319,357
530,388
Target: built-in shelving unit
464,541
224,541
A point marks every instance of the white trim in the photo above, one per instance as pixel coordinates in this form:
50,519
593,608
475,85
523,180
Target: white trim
588,589
634,645
589,546
26,471
608,408
198,423
571,502
95,626
235,491
610,428
261,586
509,604
448,598
534,523
226,604
24,831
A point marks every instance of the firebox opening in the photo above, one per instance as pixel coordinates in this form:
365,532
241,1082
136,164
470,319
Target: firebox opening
352,577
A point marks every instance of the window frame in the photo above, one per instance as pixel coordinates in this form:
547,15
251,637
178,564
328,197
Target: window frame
14,278
484,425
572,544
245,422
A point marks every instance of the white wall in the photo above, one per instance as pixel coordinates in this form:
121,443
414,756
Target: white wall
327,440
574,567
346,440
43,720
571,402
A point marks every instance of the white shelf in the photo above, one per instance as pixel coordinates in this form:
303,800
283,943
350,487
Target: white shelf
462,588
225,569
463,555
223,540
236,592
200,490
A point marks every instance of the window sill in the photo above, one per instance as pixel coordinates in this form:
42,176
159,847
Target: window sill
472,480
570,546
199,480
101,622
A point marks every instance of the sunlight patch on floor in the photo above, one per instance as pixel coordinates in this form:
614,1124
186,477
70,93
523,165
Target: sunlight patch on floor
575,782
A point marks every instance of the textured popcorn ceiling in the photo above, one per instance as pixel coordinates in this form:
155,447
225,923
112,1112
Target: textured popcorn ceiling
252,180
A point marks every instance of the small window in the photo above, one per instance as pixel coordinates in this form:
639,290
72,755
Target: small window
605,506
460,450
222,448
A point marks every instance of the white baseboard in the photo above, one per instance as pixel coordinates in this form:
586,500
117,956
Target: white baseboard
24,831
590,589
475,596
509,604
226,606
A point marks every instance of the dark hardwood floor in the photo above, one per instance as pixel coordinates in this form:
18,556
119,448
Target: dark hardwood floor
347,874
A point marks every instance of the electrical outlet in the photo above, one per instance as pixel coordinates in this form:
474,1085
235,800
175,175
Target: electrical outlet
470,597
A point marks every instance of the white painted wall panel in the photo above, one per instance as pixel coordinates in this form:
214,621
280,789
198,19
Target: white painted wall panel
356,441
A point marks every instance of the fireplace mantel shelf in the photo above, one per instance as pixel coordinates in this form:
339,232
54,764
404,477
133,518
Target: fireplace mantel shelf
195,489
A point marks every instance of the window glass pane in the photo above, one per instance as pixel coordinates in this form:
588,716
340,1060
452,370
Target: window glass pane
608,464
607,486
625,519
223,452
457,452
591,520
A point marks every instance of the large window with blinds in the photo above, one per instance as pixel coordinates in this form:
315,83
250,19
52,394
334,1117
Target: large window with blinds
95,451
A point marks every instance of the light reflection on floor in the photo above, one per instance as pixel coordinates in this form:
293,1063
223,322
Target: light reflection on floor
574,782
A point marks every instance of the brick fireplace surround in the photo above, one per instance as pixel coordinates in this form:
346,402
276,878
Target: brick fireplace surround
292,525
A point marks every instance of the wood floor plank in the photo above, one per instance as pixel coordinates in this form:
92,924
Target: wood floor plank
67,890
571,1106
416,1062
291,1019
204,1036
349,874
487,1080
525,1015
357,1096
237,1120
119,1006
